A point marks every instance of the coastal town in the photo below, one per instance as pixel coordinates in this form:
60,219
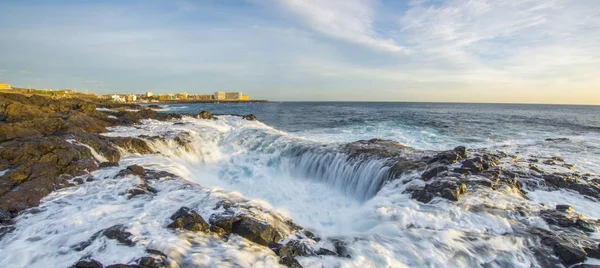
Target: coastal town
148,97
177,97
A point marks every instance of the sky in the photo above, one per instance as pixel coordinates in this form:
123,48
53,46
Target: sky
513,51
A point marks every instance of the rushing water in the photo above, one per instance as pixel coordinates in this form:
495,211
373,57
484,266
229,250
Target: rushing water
289,163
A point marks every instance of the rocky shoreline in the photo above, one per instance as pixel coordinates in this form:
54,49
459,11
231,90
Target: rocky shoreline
47,145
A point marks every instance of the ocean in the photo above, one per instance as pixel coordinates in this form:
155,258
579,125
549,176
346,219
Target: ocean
292,162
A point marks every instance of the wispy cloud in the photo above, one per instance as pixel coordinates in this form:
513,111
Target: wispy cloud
350,20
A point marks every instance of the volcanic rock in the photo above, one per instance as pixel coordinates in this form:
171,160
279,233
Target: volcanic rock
187,219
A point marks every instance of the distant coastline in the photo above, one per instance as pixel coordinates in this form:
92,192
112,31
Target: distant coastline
203,101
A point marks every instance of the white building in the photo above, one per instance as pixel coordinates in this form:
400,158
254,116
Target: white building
149,94
233,96
117,98
220,96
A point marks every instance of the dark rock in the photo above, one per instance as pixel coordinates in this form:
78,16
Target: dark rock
187,219
585,265
154,106
257,231
427,175
447,188
290,262
138,170
152,262
558,139
294,249
250,117
564,207
108,164
87,263
570,255
566,217
224,221
535,168
118,232
124,266
5,217
585,226
205,115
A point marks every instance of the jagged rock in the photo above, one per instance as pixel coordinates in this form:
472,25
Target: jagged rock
108,164
293,249
290,262
137,170
152,262
564,216
5,217
446,188
87,263
115,232
585,265
570,255
187,219
118,232
452,156
250,117
257,231
564,207
376,148
224,221
205,115
427,175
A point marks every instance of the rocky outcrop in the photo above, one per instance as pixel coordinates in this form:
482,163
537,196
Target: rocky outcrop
116,232
250,117
44,145
205,115
187,219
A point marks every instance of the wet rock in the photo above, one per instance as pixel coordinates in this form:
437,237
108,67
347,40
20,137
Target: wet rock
585,265
569,181
205,115
124,266
376,148
108,164
118,232
290,262
564,216
137,170
570,255
535,168
250,117
87,263
154,106
451,156
152,262
427,175
557,139
187,219
564,207
5,217
224,221
446,188
294,249
257,231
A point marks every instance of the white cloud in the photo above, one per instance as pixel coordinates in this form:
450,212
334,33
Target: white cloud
350,20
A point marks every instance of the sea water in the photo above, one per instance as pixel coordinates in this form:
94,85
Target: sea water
289,163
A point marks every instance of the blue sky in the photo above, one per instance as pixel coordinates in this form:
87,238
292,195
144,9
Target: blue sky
535,51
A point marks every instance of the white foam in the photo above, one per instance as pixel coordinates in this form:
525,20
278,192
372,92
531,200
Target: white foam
236,159
102,109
